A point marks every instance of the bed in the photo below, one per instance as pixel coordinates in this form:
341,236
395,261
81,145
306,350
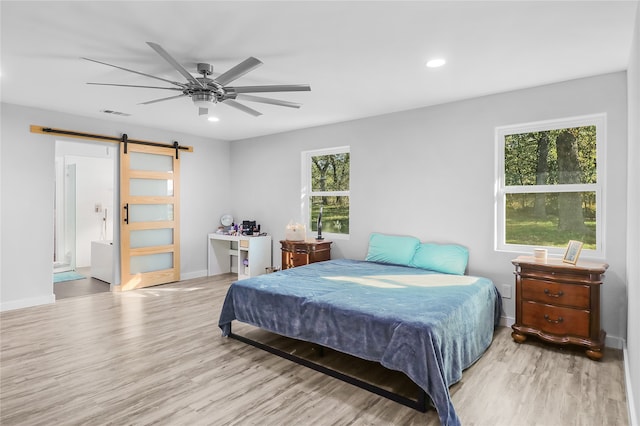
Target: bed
429,325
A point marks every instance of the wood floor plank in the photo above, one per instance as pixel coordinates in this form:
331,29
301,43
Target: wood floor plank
156,356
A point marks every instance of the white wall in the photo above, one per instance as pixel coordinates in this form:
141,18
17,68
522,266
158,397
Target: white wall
633,228
27,182
94,185
430,173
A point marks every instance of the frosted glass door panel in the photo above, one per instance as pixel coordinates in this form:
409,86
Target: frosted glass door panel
150,212
151,237
151,187
150,162
150,263
149,233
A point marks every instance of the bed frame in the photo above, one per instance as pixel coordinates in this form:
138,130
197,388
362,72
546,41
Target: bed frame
268,302
420,403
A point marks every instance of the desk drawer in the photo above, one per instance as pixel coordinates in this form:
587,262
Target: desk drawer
573,295
555,319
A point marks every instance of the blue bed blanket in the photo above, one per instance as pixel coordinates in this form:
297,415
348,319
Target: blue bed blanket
430,326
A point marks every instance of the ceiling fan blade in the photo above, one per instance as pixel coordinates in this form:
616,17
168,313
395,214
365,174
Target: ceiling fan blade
162,99
138,72
203,111
131,85
174,63
238,71
273,88
241,107
251,98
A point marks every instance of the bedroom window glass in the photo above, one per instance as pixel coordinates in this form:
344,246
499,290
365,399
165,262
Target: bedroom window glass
325,184
550,180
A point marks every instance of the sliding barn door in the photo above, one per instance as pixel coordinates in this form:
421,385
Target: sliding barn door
150,212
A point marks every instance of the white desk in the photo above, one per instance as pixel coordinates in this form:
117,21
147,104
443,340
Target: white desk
227,253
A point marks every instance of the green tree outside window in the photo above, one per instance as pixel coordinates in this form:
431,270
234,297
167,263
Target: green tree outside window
553,159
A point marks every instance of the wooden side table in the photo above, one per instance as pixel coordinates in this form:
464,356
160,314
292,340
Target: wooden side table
298,253
559,303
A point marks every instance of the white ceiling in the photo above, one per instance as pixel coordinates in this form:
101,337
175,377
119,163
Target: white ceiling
361,58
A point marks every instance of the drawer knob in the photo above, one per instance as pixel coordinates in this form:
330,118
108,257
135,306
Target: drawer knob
558,321
548,293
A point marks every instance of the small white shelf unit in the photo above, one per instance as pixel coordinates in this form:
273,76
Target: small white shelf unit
227,253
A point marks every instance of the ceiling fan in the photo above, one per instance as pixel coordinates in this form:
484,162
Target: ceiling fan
205,91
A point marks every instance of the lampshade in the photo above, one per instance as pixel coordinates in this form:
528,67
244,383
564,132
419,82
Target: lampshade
203,100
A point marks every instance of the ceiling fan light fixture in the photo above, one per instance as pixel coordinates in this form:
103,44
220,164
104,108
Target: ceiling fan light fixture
203,100
435,63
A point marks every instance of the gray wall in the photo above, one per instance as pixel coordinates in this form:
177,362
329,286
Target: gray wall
27,197
426,172
430,173
633,227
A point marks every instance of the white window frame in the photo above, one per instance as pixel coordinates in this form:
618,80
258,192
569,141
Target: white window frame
501,190
307,192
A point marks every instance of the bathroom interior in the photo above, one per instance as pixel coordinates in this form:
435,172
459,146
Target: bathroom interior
85,179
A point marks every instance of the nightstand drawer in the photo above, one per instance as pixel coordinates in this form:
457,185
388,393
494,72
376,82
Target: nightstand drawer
556,320
573,295
299,253
298,259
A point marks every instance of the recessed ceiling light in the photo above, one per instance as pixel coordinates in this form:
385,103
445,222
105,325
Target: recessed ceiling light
435,63
213,119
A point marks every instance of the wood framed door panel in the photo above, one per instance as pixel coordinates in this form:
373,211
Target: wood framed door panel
149,232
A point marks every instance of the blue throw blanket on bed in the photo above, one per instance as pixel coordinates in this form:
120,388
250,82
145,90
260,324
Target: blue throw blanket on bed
429,326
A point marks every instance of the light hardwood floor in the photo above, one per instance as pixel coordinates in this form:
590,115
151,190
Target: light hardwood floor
156,356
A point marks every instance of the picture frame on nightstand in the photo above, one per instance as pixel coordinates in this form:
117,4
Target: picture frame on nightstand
572,252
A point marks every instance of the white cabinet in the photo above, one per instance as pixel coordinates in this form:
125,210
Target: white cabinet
102,260
245,255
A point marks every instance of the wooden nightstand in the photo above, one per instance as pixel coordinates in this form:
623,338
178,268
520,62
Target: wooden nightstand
298,253
559,303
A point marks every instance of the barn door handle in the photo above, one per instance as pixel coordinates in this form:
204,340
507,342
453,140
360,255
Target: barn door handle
126,213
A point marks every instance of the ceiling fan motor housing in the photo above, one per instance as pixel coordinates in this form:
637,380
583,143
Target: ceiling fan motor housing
201,99
205,69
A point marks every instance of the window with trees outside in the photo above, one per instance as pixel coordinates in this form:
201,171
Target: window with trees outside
549,178
325,184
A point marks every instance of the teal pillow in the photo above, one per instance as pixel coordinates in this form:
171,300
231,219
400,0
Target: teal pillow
445,258
392,249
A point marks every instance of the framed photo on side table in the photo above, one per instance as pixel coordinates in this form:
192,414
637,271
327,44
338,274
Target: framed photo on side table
573,252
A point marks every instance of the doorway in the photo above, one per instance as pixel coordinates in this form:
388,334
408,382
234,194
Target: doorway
64,212
84,217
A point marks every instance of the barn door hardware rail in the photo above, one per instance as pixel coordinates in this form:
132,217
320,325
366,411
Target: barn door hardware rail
104,138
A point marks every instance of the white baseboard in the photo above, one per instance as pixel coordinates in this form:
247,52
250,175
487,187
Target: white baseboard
633,417
614,342
507,321
194,274
27,303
